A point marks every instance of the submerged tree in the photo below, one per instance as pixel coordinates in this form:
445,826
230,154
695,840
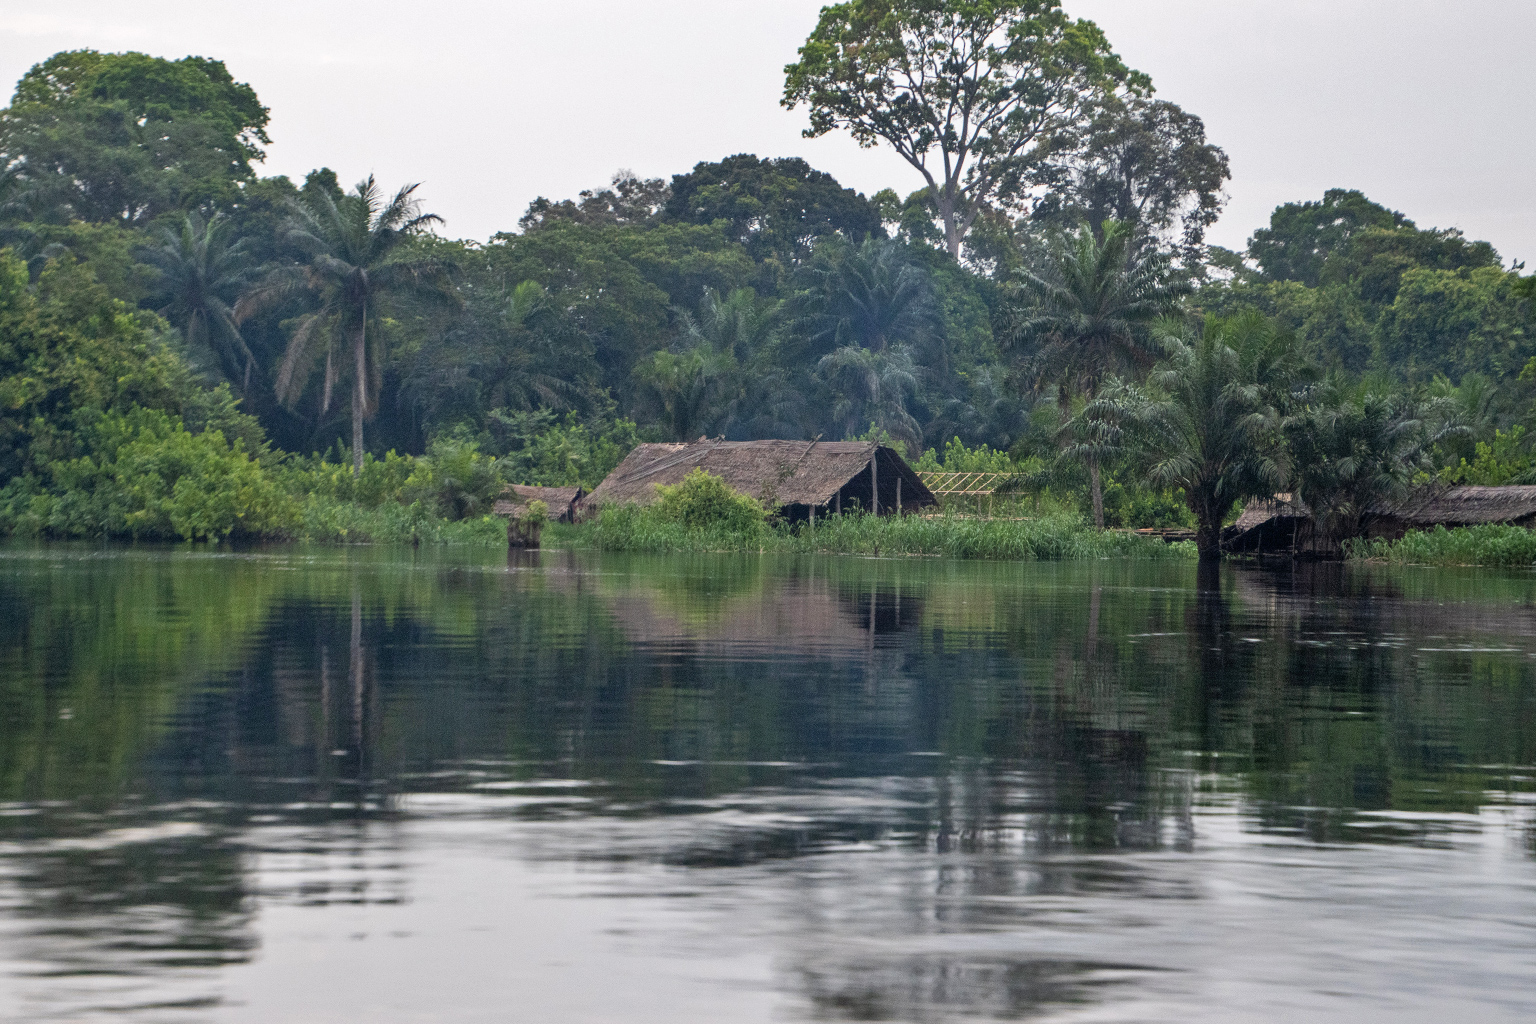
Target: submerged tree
354,268
1090,314
1208,420
971,94
201,272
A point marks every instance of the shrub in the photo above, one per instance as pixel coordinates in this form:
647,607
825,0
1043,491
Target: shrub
702,501
148,476
455,479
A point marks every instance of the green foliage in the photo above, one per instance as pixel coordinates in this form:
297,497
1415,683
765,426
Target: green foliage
1208,422
1456,321
326,520
1491,544
704,502
999,77
1137,508
1506,458
147,477
1363,287
454,479
1056,537
539,448
957,458
126,137
357,274
779,209
380,480
534,514
1302,236
1359,444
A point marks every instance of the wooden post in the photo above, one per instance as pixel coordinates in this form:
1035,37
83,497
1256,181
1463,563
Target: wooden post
813,518
839,502
874,482
898,494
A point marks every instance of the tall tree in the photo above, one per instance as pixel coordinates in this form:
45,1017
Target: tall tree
1209,419
127,136
355,269
1090,314
201,273
1143,161
1301,236
776,208
971,93
687,392
628,200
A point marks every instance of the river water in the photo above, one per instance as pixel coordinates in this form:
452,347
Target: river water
301,785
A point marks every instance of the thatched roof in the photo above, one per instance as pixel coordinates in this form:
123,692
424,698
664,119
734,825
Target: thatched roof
1266,520
559,499
778,472
1464,506
1262,510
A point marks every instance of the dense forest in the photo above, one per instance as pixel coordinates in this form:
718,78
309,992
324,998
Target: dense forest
188,348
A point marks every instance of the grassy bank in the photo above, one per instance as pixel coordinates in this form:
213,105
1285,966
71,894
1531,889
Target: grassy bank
1058,536
323,520
1491,545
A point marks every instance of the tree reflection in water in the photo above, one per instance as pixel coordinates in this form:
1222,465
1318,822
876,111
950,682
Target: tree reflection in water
170,718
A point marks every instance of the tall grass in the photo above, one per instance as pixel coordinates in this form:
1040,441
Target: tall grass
328,520
1492,545
1059,536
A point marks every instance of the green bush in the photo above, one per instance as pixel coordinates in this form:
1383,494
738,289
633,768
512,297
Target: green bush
703,502
454,479
1491,544
330,476
147,476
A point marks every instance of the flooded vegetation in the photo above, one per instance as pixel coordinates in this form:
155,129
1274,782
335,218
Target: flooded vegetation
309,785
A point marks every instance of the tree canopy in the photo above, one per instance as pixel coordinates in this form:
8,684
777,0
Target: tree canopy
971,93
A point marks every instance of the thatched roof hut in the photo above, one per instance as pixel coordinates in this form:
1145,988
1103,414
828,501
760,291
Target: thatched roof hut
796,476
1284,522
1456,506
561,500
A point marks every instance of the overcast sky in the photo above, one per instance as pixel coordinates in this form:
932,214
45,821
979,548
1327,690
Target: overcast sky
1422,104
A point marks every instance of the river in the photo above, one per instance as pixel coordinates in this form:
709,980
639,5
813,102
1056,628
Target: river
320,785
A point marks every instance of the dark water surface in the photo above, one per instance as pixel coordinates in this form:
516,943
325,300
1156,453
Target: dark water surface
384,786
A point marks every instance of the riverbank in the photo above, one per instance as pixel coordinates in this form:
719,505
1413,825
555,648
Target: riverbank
1493,545
1053,537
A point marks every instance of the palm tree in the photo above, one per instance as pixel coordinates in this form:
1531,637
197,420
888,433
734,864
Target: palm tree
871,388
1090,315
874,297
1359,444
352,266
688,391
739,323
200,272
1208,420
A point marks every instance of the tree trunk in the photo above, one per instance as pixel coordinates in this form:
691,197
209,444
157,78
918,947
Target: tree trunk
360,395
953,233
1098,493
1208,539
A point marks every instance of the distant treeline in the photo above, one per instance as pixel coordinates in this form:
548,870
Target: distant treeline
156,290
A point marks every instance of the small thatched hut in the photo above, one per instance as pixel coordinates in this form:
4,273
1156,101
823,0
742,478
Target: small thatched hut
798,477
1284,523
561,500
1455,506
